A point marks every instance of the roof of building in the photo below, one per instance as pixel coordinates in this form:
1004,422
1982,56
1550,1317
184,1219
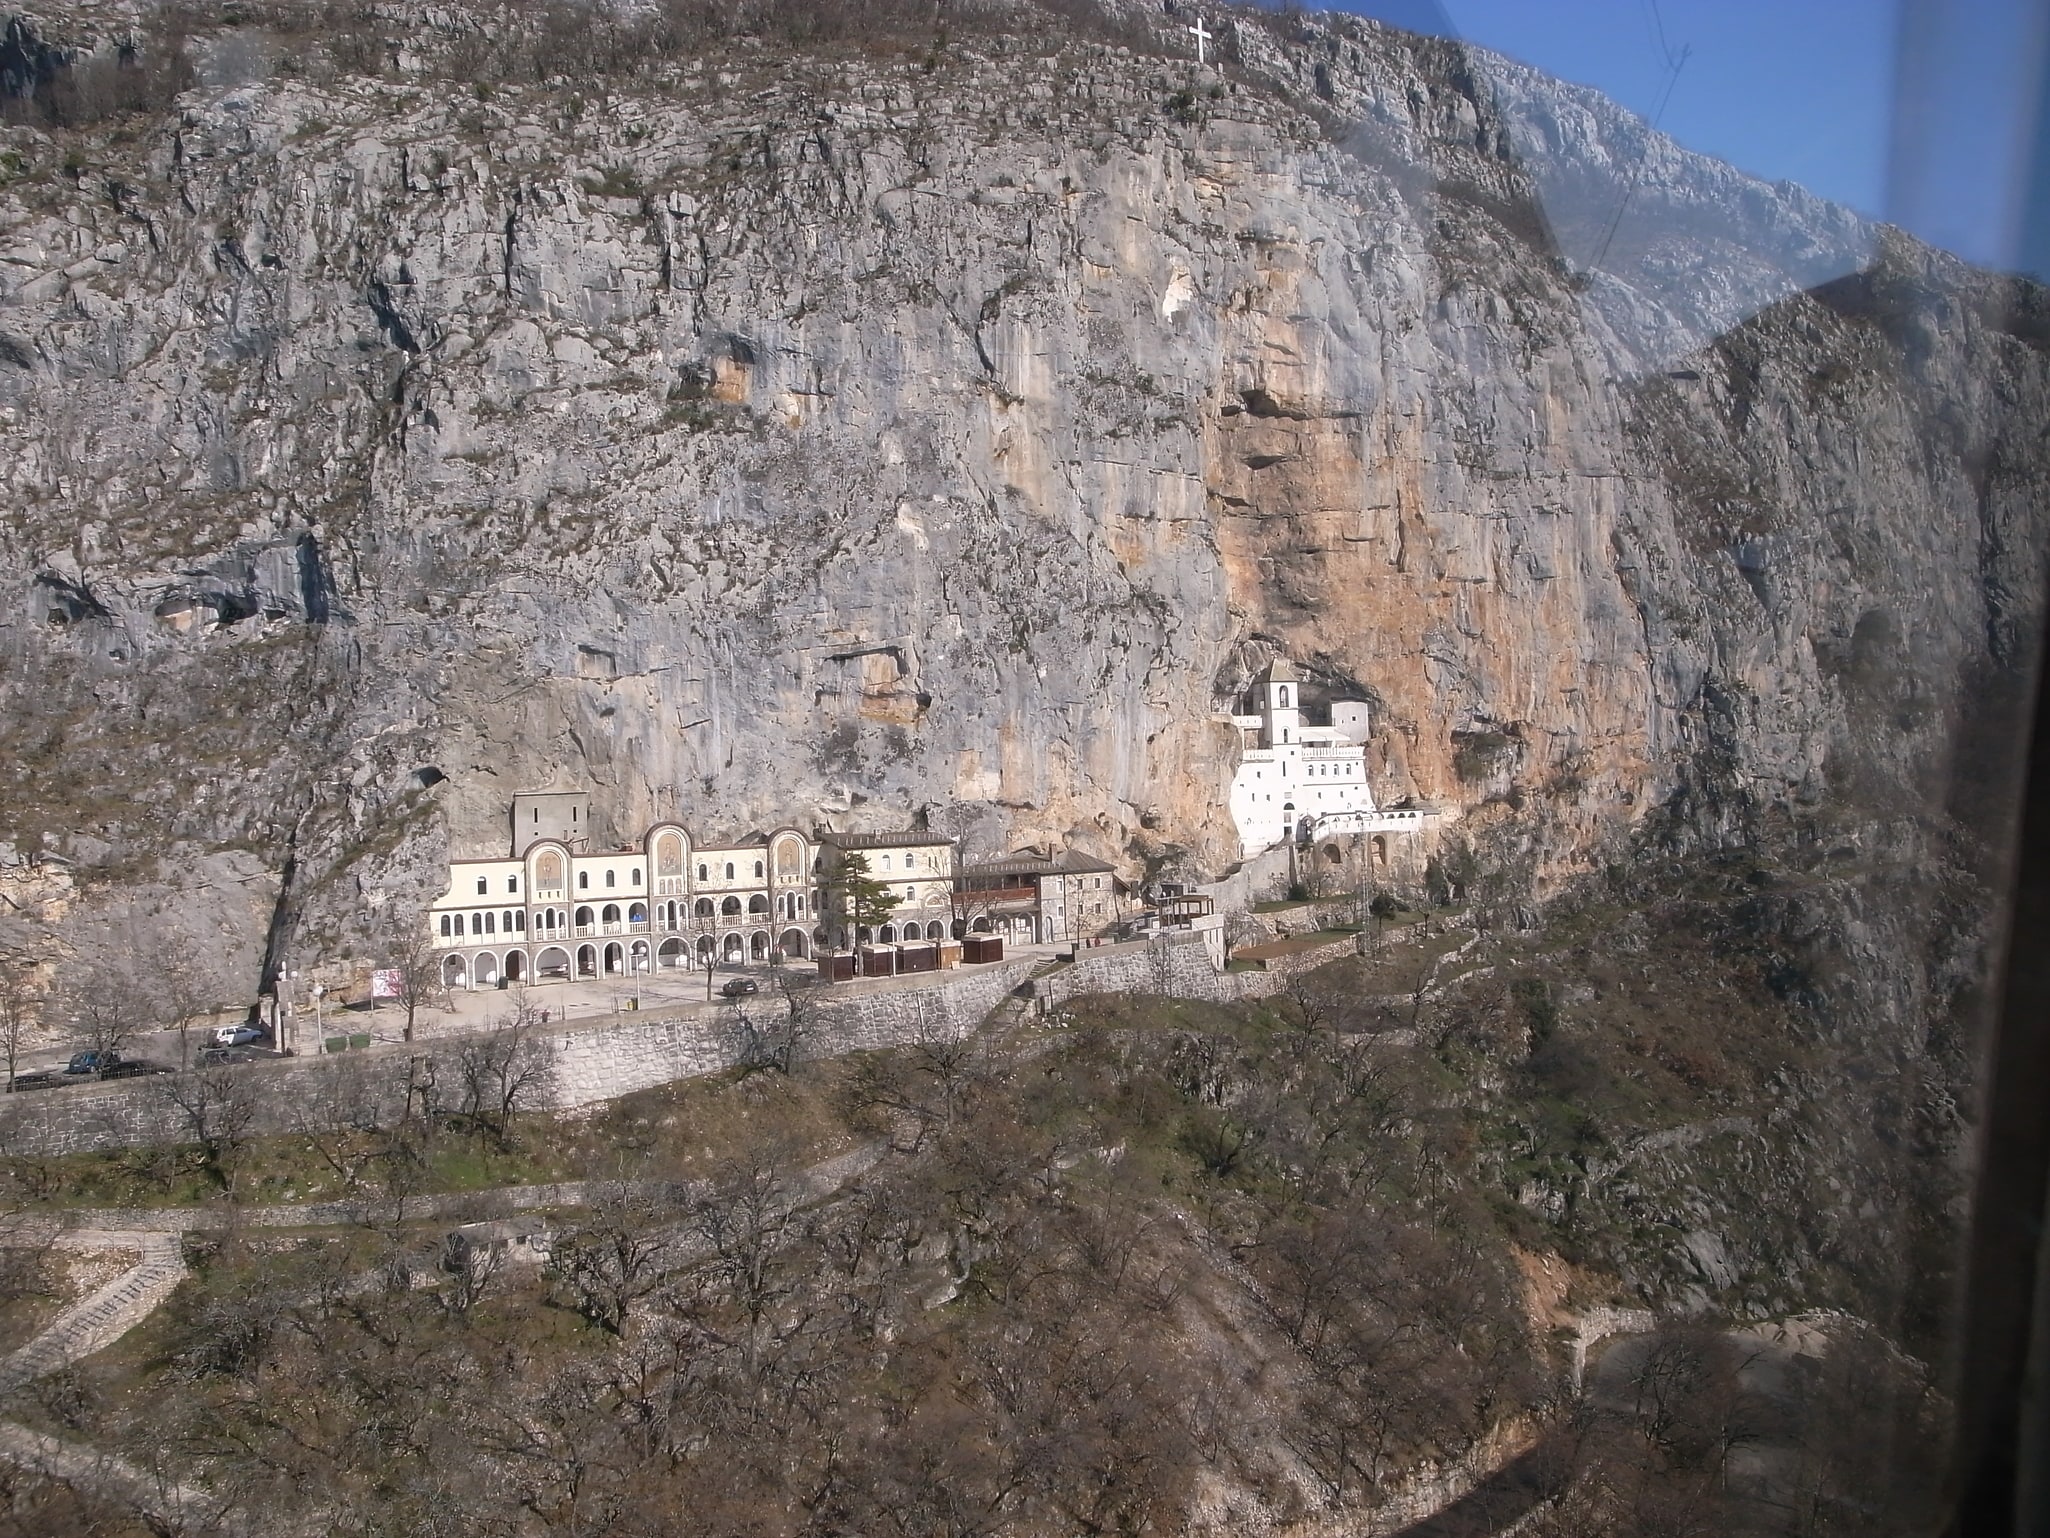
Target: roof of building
1038,862
749,841
1282,671
908,839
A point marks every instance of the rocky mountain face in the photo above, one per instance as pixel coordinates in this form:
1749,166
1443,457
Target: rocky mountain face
896,428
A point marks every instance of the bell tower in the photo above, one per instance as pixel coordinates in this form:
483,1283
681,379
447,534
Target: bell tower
1282,705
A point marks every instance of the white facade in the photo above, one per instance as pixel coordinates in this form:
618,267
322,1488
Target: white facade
1293,776
560,911
919,870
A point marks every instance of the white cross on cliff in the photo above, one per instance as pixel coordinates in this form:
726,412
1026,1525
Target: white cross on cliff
1202,34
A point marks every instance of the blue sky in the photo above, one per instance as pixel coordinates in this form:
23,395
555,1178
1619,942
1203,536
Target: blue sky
1918,111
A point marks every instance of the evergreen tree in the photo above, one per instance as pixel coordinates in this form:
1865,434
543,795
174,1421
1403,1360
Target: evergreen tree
863,900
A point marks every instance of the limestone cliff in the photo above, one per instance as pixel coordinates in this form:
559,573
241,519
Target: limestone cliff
946,431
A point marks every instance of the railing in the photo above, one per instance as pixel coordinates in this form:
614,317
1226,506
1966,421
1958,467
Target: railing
1002,894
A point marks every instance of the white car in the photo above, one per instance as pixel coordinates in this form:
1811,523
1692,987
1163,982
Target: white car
238,1035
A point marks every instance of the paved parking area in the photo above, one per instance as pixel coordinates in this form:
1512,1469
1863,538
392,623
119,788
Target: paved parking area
583,1002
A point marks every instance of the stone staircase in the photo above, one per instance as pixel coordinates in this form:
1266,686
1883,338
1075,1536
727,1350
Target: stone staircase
104,1316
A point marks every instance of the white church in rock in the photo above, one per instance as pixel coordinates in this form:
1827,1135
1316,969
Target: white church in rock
1296,781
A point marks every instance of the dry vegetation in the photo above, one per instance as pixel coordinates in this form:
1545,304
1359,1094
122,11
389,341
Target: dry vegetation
487,46
1150,1266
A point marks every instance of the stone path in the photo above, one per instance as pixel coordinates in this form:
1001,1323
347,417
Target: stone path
91,1324
170,1507
154,1238
104,1316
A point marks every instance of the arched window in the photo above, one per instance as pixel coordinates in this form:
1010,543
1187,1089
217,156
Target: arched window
729,870
637,914
730,907
758,903
611,878
519,918
704,872
584,918
445,926
583,881
611,913
886,862
459,926
507,917
512,884
483,885
911,894
635,879
704,908
758,870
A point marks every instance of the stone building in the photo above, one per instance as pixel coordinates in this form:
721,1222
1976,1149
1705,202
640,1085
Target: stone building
918,868
1041,896
558,908
1299,779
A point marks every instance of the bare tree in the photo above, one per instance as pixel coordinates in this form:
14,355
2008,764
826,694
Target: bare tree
745,1221
617,1256
343,1103
1312,1003
20,1009
108,1003
470,1266
921,1089
188,985
503,1070
1162,957
1242,929
409,951
218,1106
780,1043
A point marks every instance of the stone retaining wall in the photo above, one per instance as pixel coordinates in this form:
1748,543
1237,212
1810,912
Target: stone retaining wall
581,1067
1179,967
381,1086
591,1066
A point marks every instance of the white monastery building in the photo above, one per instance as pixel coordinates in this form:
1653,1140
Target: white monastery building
556,908
1301,781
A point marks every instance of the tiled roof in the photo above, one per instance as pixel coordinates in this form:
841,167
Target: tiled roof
904,840
1030,862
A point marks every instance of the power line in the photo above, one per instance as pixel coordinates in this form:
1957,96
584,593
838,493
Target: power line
1637,174
1658,26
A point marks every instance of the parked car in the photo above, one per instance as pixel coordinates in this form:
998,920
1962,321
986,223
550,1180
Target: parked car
739,987
92,1062
239,1035
53,1079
